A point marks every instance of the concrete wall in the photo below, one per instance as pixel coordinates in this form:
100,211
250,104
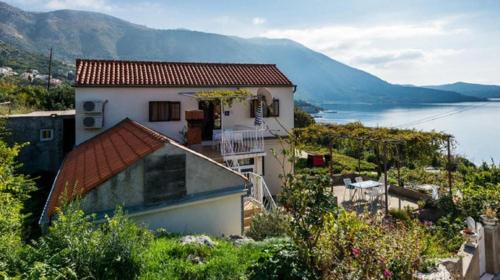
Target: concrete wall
219,216
38,156
202,176
273,165
134,104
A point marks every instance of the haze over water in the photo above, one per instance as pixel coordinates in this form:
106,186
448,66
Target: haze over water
475,125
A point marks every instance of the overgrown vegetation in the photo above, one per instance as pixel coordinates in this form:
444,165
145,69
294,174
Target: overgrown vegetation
20,97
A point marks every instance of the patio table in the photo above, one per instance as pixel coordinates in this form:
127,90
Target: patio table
363,186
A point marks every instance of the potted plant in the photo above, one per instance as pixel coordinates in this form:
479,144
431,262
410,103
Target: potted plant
489,217
470,237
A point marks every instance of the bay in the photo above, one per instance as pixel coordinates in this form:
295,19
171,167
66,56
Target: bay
475,125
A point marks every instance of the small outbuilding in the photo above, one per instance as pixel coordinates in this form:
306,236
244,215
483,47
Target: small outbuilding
159,183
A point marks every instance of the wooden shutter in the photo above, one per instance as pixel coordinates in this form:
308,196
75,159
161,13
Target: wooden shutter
276,108
175,111
253,106
161,111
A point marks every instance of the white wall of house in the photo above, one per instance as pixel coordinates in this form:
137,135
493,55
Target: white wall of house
273,165
214,215
218,216
133,103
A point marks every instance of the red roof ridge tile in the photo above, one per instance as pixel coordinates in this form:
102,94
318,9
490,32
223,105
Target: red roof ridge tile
121,61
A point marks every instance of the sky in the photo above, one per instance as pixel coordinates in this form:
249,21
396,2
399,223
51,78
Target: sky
419,42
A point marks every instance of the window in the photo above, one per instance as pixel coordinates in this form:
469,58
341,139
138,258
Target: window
46,134
163,111
268,111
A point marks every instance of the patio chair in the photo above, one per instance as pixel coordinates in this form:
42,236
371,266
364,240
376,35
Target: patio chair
348,187
376,195
363,194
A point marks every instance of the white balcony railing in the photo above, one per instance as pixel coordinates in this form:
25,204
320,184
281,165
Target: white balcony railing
260,192
237,142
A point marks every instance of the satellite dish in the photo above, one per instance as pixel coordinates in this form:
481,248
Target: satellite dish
266,95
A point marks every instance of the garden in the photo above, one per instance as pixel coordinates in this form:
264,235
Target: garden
310,236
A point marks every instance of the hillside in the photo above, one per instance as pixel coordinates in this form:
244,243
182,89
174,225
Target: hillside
22,61
476,90
319,78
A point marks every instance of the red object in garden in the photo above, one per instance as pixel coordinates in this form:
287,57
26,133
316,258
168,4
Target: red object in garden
318,160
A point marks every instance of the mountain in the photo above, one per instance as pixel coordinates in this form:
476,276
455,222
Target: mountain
319,78
476,90
20,61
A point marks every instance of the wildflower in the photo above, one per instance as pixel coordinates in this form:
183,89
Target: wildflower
428,223
356,252
387,273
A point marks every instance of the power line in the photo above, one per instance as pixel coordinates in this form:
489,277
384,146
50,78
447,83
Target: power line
438,116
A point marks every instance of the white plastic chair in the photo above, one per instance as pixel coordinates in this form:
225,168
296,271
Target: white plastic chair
348,187
358,179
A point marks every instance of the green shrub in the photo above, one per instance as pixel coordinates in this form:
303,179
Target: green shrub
281,260
14,191
353,247
167,258
76,248
400,214
269,224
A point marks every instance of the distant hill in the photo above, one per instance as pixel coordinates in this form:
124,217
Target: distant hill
476,90
21,61
319,78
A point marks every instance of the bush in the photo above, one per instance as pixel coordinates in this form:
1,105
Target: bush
75,248
400,214
269,224
167,258
353,247
281,260
14,191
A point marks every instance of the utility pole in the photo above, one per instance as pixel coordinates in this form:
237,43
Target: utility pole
330,164
449,165
385,178
50,70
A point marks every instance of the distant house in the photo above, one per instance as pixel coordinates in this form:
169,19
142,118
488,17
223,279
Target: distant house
133,116
159,182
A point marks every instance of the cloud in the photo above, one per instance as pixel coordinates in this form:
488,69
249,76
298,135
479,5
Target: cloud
387,57
95,5
335,36
258,20
378,46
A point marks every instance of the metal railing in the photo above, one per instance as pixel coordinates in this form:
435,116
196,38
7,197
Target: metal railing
260,192
236,142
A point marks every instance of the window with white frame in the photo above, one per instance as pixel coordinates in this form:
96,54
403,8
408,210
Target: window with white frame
46,134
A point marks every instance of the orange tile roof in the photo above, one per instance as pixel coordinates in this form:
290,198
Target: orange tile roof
119,73
99,158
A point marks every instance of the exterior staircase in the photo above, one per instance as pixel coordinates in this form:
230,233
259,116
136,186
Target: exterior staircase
250,208
258,201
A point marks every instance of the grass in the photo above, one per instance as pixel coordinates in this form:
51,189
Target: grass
167,258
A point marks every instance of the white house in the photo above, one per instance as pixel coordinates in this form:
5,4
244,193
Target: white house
159,182
162,140
158,95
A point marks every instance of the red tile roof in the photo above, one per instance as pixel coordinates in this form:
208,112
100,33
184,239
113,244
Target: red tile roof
101,73
98,159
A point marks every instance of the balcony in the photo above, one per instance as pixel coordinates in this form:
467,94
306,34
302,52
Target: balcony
235,142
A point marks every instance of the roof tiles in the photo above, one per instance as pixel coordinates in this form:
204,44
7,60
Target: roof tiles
119,73
98,159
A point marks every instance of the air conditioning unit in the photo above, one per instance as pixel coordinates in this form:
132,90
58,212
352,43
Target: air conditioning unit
92,106
92,122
